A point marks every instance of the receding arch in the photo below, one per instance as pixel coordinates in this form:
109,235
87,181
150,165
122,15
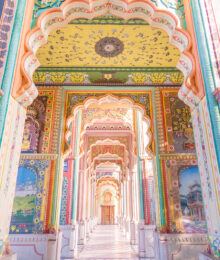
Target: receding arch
109,98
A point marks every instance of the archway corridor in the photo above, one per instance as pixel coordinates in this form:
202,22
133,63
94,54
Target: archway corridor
108,166
114,132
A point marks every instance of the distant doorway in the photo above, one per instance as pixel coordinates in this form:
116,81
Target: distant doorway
107,215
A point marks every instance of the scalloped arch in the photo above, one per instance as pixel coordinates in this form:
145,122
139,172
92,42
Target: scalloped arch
111,99
72,9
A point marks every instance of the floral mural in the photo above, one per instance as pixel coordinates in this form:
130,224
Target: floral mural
30,197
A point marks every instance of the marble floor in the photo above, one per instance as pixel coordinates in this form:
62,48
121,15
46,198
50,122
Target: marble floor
107,242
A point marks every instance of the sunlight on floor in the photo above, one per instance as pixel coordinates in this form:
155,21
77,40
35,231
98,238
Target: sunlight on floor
107,242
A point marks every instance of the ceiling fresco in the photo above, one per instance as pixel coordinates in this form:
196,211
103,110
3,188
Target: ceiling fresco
108,50
94,45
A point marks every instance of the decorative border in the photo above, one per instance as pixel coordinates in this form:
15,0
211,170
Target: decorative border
183,156
6,25
39,156
59,17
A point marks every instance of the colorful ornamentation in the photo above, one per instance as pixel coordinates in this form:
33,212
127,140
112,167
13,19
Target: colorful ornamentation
178,8
142,98
104,75
109,47
38,125
95,45
177,125
7,12
30,195
63,209
42,5
185,197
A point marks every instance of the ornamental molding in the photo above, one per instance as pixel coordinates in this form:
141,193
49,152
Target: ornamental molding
184,238
28,238
179,156
73,9
39,156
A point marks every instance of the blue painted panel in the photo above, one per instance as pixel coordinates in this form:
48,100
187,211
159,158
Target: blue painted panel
1,6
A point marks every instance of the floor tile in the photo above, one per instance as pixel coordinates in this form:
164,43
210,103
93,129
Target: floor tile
106,243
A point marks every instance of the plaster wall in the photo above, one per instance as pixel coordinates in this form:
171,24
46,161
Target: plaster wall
29,246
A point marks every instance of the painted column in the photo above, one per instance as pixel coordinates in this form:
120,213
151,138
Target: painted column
209,73
139,150
81,208
141,237
9,160
127,206
20,24
93,184
88,205
209,173
77,129
132,201
122,205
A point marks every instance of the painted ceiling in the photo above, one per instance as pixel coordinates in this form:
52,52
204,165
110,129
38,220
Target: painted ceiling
90,45
108,49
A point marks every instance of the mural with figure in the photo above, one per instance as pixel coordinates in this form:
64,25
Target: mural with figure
191,200
38,128
30,197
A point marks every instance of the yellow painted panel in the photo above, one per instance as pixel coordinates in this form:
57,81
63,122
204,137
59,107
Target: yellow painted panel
119,46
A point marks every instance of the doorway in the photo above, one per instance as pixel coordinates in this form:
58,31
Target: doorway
107,215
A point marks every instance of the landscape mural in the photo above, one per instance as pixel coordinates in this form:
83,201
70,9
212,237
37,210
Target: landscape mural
30,195
191,201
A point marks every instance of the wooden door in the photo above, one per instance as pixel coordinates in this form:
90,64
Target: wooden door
107,215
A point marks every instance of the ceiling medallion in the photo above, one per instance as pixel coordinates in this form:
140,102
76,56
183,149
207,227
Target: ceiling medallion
109,47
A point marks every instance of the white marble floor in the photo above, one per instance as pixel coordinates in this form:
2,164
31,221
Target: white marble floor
107,242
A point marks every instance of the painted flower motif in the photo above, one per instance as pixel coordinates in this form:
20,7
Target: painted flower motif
175,183
13,228
173,162
41,172
32,162
177,206
38,207
171,147
39,195
216,244
36,220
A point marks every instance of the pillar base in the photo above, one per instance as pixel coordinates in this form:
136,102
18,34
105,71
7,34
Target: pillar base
81,233
183,246
133,240
68,241
87,229
30,246
127,228
146,241
11,256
